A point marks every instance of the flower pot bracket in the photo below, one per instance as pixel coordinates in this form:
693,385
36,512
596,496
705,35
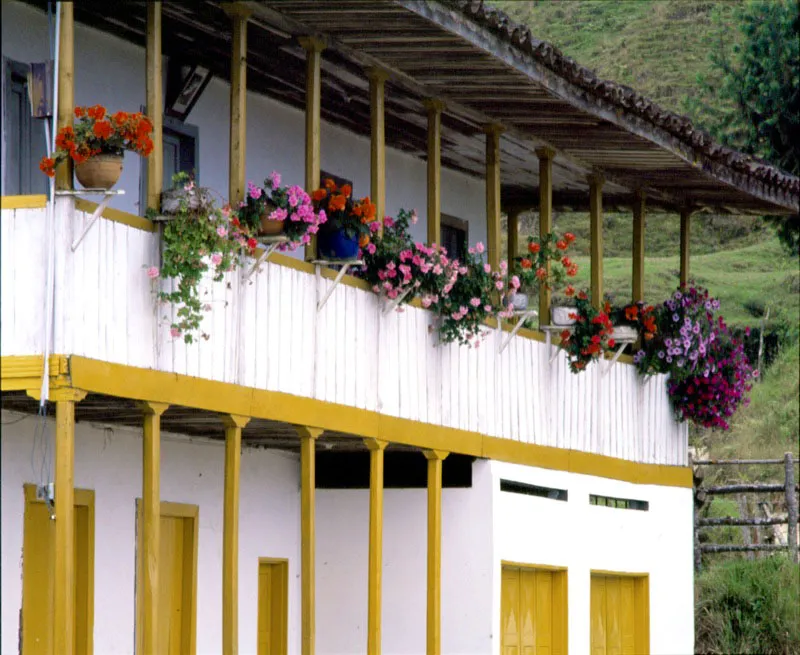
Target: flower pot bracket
345,265
270,244
548,335
621,342
523,315
107,195
391,305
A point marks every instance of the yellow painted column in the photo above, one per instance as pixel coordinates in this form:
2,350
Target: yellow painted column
66,86
64,570
155,105
434,605
151,522
493,133
308,438
513,236
546,156
434,108
376,448
638,246
596,237
686,226
377,103
230,533
239,14
313,47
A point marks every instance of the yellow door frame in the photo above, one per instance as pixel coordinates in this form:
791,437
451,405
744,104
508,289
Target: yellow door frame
170,510
282,610
82,498
641,591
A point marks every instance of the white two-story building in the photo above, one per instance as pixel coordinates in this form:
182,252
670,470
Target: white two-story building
327,479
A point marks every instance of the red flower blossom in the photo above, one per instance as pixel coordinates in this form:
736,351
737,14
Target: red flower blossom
533,248
102,129
251,243
569,237
569,291
561,244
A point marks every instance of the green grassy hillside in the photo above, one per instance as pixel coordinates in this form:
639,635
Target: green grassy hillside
657,48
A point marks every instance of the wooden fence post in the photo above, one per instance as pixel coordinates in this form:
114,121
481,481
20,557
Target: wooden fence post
791,507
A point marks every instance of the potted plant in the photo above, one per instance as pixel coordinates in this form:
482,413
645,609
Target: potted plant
709,374
634,319
347,226
199,236
96,143
546,266
590,336
275,210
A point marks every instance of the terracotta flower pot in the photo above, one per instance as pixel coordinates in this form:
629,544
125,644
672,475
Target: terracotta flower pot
268,228
99,172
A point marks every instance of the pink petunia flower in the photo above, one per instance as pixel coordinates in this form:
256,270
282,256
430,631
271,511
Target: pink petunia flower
222,231
275,179
216,259
174,332
475,302
153,272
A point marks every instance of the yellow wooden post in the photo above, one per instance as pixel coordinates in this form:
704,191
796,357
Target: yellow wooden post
314,47
596,237
546,156
239,14
64,570
230,533
308,437
434,605
376,448
513,236
377,102
151,522
493,194
638,246
155,105
66,85
434,108
686,226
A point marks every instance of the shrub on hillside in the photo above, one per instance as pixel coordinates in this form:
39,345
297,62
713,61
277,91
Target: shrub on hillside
748,606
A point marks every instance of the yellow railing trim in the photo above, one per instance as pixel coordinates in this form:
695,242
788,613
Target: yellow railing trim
117,215
23,202
146,384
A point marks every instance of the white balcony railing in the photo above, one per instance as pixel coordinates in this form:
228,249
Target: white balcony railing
266,333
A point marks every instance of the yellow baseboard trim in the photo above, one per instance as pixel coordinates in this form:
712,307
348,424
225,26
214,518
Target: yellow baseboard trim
23,202
129,382
20,373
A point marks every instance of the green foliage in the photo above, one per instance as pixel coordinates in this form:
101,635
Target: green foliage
748,606
753,101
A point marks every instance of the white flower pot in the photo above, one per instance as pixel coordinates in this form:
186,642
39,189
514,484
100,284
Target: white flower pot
519,300
560,315
625,333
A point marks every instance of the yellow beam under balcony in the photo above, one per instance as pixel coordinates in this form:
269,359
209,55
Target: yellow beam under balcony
376,448
308,438
151,523
686,228
638,246
66,85
596,237
434,605
230,533
546,156
493,133
434,108
239,13
155,104
377,103
313,47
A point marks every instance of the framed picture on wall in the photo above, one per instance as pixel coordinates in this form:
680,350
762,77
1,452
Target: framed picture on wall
181,98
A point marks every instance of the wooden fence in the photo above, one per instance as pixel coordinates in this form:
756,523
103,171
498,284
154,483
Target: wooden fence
789,488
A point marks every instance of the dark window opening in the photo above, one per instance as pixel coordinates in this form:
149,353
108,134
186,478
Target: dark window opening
533,490
455,236
619,503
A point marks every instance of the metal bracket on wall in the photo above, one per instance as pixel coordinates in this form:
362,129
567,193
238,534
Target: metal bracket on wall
270,243
522,316
345,265
107,195
548,332
391,305
622,343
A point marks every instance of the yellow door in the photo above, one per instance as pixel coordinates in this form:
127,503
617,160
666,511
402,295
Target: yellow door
619,615
37,574
176,578
273,593
533,611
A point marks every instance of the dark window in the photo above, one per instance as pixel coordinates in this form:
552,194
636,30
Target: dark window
514,487
455,236
619,503
339,180
24,135
181,154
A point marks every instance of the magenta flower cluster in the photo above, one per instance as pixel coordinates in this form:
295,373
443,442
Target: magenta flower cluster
709,374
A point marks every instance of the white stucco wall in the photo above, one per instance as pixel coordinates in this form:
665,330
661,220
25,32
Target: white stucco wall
342,561
583,537
108,460
111,72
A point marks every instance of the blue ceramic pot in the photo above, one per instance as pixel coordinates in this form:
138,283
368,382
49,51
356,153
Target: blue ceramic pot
333,243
